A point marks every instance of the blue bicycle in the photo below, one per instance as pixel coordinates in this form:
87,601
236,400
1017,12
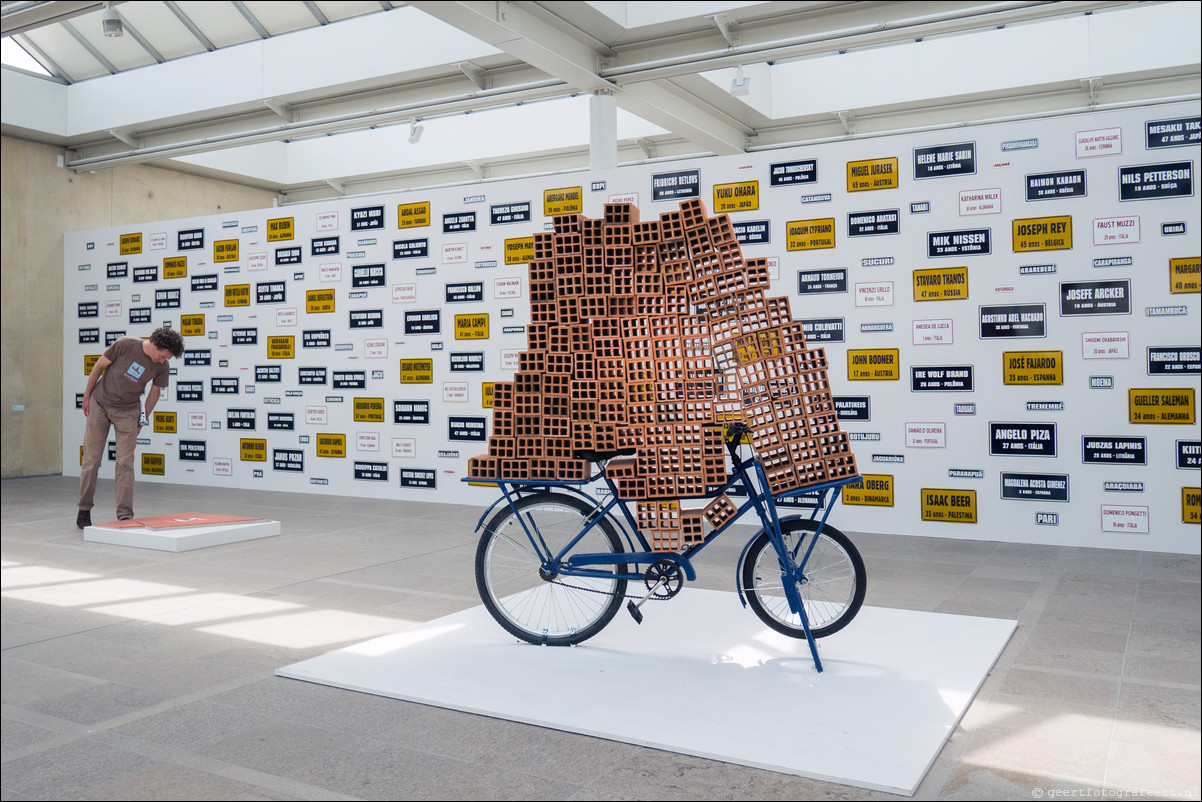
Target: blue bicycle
554,564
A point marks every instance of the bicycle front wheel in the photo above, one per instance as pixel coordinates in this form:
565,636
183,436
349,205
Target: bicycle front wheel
524,592
832,585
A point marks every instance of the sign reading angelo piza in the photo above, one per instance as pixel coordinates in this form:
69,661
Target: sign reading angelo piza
280,229
869,174
1043,234
225,250
739,196
192,325
319,301
471,327
1184,274
873,490
175,267
941,284
809,235
237,295
1161,405
1033,367
564,200
519,251
413,215
281,347
331,444
873,364
252,449
369,410
417,371
949,505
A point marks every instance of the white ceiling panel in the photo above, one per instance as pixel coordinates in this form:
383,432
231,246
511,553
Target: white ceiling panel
163,29
279,18
219,22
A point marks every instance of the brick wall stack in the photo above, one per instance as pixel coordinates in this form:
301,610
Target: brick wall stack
652,335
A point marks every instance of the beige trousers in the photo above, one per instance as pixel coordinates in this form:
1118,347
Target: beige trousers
95,439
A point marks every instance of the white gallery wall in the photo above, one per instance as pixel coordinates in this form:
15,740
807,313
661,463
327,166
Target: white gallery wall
1010,313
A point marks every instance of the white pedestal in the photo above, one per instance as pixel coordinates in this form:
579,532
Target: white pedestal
182,538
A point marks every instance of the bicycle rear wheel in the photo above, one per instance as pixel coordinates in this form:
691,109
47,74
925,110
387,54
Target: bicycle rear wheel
832,588
528,598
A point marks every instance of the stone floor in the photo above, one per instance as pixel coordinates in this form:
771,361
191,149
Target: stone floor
136,674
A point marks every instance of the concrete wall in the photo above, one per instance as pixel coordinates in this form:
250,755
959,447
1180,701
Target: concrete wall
41,201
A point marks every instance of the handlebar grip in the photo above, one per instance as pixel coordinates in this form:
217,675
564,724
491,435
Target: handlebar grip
735,433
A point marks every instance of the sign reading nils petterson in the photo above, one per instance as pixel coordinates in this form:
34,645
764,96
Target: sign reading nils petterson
941,284
966,242
939,161
413,215
808,235
873,490
740,196
870,364
519,251
868,224
799,172
280,229
949,505
1184,274
1033,367
1043,234
225,250
1022,439
131,243
870,174
1161,405
1022,320
676,185
563,200
1064,184
1149,181
1173,133
417,371
1095,297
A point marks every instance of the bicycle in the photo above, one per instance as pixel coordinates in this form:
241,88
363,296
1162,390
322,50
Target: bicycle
554,563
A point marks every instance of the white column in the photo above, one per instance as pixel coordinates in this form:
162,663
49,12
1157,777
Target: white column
603,130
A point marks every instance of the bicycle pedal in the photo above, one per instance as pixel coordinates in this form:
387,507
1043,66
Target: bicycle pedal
635,612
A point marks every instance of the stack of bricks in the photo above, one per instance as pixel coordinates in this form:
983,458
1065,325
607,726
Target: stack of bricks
651,336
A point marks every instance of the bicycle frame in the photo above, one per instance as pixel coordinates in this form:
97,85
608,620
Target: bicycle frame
631,564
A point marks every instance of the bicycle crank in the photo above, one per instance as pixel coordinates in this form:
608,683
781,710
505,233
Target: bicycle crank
664,580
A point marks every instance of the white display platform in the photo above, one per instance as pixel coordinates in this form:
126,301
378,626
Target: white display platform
703,676
182,538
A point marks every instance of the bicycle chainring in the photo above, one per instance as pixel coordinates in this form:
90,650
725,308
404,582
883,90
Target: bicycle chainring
667,575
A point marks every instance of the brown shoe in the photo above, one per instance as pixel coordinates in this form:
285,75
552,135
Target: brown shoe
83,519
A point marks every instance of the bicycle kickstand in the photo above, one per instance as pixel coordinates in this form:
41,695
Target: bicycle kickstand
633,608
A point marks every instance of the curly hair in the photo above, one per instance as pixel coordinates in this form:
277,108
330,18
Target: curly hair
168,340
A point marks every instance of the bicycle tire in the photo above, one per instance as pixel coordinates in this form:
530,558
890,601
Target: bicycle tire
832,592
530,605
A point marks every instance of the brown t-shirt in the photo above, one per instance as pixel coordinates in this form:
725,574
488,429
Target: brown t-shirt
123,381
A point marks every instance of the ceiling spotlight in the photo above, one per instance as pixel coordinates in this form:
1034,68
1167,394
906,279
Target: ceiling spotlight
741,85
110,21
415,132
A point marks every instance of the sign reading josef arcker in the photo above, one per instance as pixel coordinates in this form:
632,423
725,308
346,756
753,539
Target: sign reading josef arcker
1019,320
676,185
940,161
1022,439
798,172
1095,297
1150,181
